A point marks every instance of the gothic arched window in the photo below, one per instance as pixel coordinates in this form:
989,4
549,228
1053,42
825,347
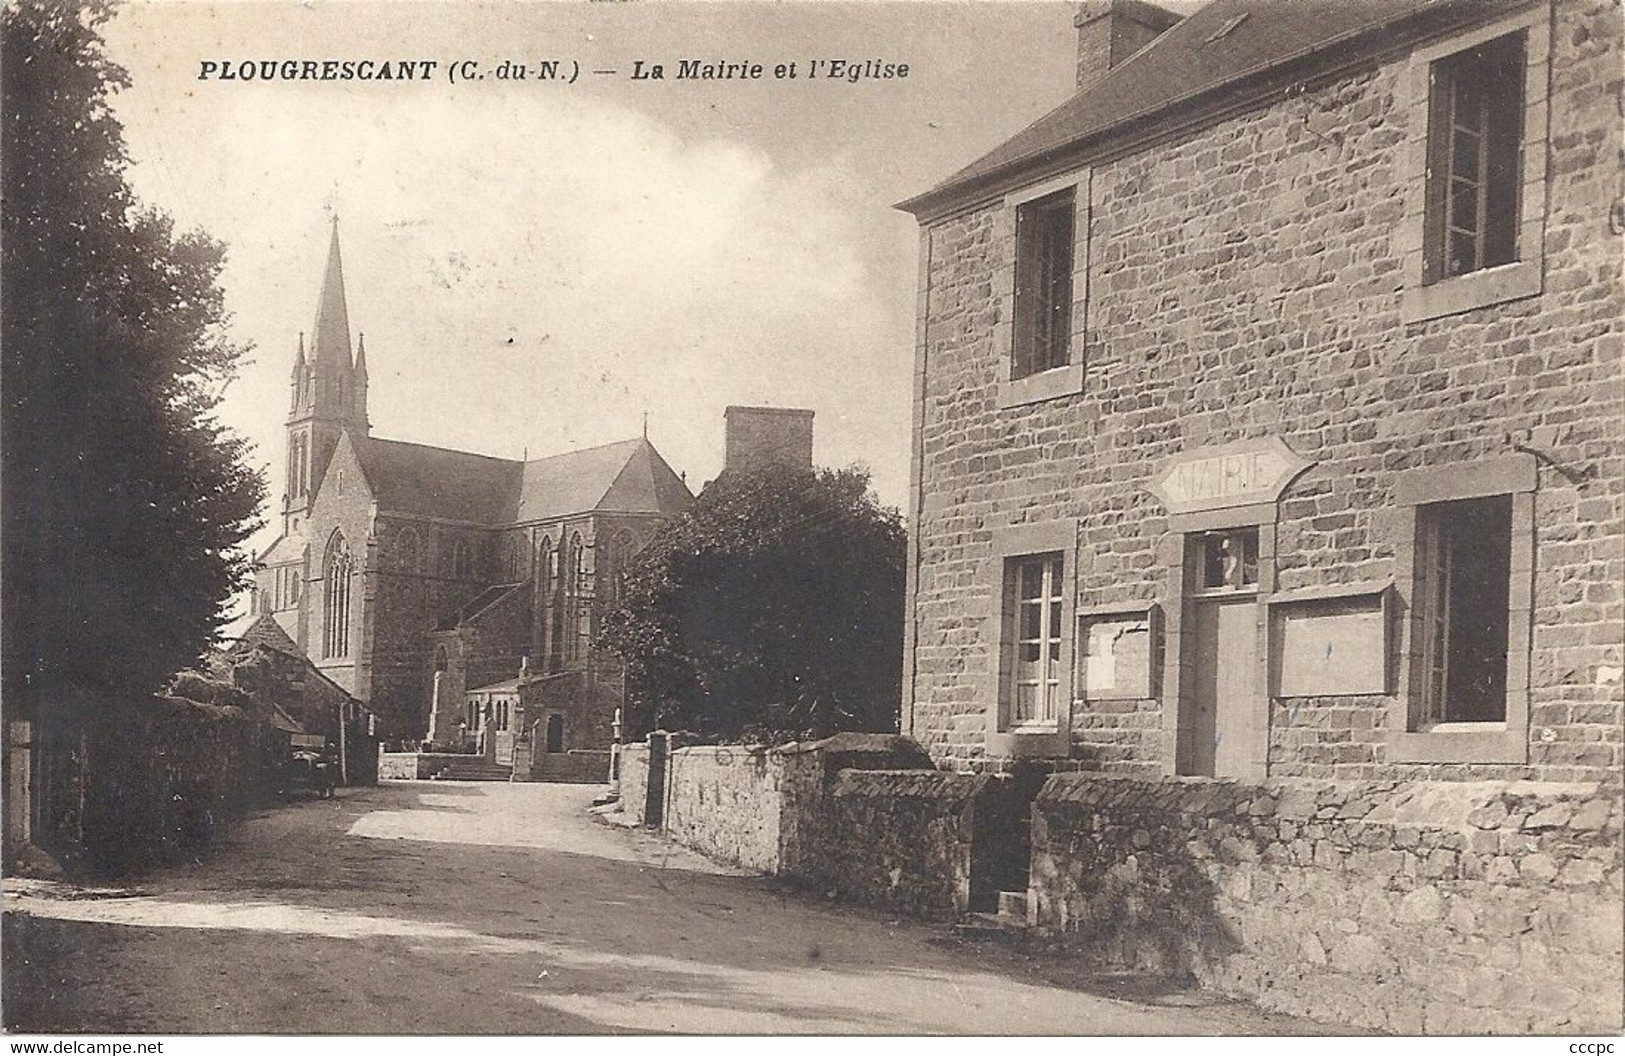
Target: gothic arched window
580,598
621,550
462,560
338,568
407,549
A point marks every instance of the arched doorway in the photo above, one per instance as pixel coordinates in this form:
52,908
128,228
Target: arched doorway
555,734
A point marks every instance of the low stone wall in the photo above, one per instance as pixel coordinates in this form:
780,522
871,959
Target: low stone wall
901,838
633,783
1485,907
580,766
416,766
728,801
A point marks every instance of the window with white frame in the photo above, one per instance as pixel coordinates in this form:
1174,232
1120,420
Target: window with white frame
1034,596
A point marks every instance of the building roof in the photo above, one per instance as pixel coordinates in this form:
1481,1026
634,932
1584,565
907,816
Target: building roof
263,630
624,477
437,481
481,601
510,685
1203,57
287,548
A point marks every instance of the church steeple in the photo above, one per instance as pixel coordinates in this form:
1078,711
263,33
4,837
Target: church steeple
329,390
330,336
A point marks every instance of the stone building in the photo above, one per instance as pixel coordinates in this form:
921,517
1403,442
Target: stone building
403,567
1267,429
1267,418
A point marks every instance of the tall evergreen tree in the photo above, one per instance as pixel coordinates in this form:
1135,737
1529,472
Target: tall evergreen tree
124,498
772,609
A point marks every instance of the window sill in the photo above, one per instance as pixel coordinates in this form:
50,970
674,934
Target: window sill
1478,289
1030,742
1460,742
1045,385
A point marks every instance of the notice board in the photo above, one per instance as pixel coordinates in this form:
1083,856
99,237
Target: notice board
1331,647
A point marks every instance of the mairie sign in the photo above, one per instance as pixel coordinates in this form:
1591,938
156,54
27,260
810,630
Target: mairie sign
1239,474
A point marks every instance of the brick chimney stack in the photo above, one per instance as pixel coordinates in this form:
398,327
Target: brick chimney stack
1109,31
768,435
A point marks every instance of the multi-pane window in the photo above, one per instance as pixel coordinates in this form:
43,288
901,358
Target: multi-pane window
1463,571
1034,587
336,601
1043,314
1475,135
1227,560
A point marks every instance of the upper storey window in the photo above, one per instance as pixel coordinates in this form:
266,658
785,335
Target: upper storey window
1044,236
1475,140
1475,167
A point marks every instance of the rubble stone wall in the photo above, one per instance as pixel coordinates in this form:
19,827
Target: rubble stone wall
1435,907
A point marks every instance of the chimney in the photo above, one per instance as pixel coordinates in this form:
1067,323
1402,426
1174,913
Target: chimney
1109,31
758,436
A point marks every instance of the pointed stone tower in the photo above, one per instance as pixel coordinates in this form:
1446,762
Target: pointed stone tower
329,393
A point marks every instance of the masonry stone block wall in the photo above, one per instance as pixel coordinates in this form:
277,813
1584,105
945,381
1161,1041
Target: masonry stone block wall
727,801
1466,907
633,781
1245,281
901,839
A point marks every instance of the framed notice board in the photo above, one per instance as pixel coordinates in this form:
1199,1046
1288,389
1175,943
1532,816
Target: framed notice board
1331,643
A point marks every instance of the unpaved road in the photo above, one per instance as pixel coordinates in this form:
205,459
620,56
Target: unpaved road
433,908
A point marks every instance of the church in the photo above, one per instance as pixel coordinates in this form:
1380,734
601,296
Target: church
415,577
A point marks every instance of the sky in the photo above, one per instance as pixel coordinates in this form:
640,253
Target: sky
537,265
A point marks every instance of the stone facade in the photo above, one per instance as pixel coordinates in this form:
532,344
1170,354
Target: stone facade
1454,908
1243,281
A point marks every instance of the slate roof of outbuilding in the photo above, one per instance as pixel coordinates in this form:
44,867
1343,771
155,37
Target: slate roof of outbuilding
480,602
1215,49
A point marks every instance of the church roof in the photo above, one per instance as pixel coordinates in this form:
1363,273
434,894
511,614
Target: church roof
437,481
1205,57
624,477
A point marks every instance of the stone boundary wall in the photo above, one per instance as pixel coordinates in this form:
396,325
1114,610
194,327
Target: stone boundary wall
727,801
1440,908
417,766
901,838
633,782
580,766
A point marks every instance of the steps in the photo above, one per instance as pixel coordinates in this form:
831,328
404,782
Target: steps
474,769
1008,924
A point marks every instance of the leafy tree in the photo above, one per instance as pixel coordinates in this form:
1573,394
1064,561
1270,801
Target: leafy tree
125,499
773,608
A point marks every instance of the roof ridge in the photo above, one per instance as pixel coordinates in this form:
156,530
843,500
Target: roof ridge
436,447
585,450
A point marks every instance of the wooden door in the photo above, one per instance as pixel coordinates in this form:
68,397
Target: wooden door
1223,644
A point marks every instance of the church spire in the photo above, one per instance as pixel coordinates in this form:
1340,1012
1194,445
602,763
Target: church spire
330,337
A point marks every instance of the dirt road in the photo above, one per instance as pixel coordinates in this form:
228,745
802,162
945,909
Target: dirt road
505,909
